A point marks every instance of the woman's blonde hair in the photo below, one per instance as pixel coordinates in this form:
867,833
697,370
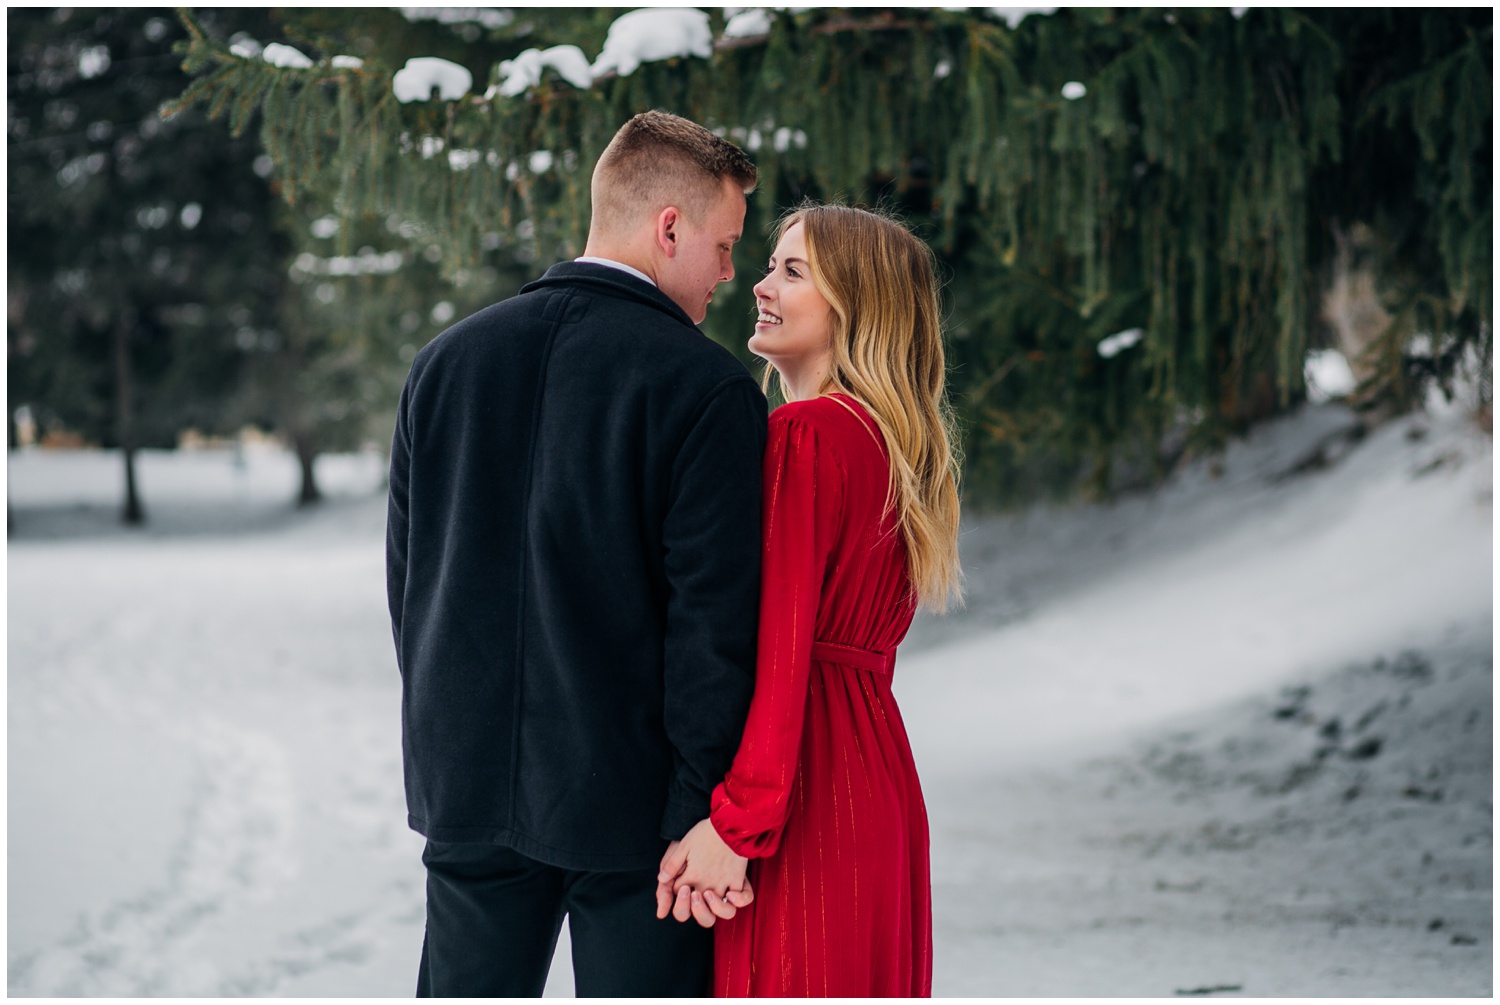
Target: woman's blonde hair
887,342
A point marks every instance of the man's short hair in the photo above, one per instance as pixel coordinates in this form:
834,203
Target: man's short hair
658,160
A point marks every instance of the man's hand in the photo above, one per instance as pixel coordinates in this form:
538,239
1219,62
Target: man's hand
702,878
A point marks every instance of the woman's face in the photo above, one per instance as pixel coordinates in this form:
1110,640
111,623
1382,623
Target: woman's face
794,324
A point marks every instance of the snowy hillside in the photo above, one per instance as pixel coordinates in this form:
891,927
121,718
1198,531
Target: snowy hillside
1231,737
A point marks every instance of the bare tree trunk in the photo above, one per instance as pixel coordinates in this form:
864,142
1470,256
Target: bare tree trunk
12,441
307,453
132,514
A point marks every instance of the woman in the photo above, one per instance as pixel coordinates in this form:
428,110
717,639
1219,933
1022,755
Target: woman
861,524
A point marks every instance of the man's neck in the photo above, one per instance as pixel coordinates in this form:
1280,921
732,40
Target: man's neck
623,256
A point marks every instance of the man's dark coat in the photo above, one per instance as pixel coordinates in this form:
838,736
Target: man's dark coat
573,568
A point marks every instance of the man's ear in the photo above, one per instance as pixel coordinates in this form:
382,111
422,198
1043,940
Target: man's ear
668,222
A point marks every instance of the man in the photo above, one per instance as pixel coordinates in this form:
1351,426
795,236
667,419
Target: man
573,557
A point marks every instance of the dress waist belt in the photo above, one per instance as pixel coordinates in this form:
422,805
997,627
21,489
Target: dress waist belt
865,659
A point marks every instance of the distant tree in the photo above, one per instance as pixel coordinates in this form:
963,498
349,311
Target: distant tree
360,301
144,262
1138,209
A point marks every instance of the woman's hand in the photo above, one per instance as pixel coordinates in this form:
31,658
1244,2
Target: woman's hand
702,878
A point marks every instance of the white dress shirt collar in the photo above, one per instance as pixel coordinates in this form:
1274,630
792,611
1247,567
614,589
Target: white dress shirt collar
637,273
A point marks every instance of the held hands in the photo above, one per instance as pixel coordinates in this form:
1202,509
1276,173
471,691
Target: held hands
701,878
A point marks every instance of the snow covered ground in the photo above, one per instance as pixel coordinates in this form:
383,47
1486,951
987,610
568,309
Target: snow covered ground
1231,737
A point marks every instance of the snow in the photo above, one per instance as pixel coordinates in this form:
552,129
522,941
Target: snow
1327,375
93,61
525,71
782,139
486,17
324,227
748,23
1118,342
1073,90
1013,16
346,62
244,46
651,34
1127,740
285,57
415,80
368,262
462,160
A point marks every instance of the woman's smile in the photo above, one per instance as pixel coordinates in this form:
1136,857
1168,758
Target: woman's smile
793,321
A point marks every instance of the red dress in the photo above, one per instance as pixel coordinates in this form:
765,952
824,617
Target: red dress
823,794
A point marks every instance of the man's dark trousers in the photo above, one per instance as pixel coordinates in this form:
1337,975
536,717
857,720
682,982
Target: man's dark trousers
493,917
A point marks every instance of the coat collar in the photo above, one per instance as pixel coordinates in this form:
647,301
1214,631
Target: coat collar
614,281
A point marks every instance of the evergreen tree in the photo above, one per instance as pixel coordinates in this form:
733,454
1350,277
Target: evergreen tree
1139,210
141,258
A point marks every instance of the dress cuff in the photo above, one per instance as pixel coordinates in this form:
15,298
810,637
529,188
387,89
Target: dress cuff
739,833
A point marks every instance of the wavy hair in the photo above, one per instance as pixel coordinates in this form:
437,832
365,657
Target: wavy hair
887,354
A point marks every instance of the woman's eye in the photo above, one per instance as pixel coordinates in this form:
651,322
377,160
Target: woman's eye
793,272
767,270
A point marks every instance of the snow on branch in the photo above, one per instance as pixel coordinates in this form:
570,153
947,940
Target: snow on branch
367,263
1327,375
525,71
1119,342
651,34
486,17
1013,16
416,80
749,23
285,57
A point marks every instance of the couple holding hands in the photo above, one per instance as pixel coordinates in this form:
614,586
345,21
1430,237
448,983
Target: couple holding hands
646,635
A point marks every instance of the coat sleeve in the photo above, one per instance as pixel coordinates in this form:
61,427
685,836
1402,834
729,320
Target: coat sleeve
803,497
711,539
397,520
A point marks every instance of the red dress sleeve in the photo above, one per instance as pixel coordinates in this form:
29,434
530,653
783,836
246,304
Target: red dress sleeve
803,496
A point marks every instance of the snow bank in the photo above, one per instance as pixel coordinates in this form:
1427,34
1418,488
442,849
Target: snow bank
1236,576
651,34
1147,747
416,80
1328,839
